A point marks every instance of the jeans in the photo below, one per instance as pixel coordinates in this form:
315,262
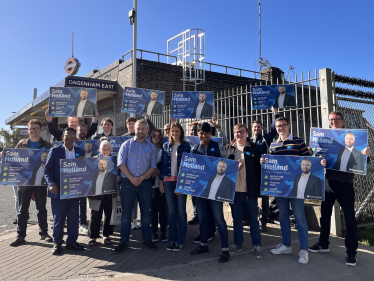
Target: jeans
82,210
176,206
345,194
24,196
297,206
15,188
265,209
217,210
94,227
159,211
249,205
135,210
194,206
143,193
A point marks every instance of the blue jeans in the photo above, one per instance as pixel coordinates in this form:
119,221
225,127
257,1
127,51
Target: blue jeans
249,205
176,205
143,193
297,206
217,210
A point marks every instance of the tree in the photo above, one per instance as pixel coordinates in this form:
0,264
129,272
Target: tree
10,138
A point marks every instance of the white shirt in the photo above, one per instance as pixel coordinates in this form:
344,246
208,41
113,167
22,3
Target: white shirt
199,109
150,107
88,155
174,160
344,159
80,108
302,185
281,100
69,154
99,183
39,175
214,187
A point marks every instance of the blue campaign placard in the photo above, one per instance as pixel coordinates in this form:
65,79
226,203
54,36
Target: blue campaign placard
208,177
194,140
88,177
342,148
72,102
199,105
279,96
139,101
23,166
293,177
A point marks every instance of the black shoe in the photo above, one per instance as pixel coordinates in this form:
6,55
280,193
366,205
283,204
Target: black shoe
177,247
75,247
163,237
120,248
19,241
150,245
155,237
199,250
46,237
317,248
15,221
194,220
224,257
197,239
170,247
56,250
350,260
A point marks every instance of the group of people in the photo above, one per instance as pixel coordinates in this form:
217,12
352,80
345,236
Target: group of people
148,170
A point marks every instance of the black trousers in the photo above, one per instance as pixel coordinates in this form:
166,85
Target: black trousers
24,197
94,226
158,211
345,194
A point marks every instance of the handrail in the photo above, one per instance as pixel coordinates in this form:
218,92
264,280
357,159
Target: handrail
158,54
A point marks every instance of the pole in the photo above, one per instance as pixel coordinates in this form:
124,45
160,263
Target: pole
134,45
259,17
72,45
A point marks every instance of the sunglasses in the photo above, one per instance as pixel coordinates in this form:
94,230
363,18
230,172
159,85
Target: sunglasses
156,136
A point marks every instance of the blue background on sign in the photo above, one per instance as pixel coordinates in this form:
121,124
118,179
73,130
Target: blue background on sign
269,98
193,140
339,142
285,185
139,103
84,187
189,105
210,169
74,97
27,167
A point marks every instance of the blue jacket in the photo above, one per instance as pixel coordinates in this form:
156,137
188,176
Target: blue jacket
167,149
52,166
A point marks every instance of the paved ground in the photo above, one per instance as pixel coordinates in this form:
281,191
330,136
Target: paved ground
33,261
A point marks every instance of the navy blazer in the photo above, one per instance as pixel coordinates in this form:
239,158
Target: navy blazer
225,190
355,161
52,167
206,112
313,188
88,110
289,101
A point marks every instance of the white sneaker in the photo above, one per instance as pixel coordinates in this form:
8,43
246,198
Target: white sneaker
84,228
281,249
303,257
134,224
139,225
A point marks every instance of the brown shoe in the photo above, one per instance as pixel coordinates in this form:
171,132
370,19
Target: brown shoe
264,228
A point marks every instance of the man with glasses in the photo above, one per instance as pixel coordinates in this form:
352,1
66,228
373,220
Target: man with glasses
34,141
264,143
339,186
167,130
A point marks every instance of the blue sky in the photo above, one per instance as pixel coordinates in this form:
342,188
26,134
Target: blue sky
36,37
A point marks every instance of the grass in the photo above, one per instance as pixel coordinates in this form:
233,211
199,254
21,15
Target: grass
366,236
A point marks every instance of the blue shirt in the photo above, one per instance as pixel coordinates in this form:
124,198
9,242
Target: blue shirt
34,144
137,156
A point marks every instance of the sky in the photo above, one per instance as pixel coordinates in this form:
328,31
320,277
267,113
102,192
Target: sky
36,37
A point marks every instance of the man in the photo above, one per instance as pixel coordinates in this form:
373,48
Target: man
67,208
73,122
350,159
219,186
166,130
25,193
107,125
192,129
104,182
247,189
88,150
264,143
130,124
84,107
284,100
287,144
339,186
153,106
202,109
307,185
37,177
137,160
210,211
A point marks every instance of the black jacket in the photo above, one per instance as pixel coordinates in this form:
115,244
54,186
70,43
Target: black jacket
355,161
313,189
224,191
88,110
33,177
289,101
157,108
109,183
206,112
57,133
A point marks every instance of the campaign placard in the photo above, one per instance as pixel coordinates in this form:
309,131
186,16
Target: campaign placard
199,105
139,101
23,166
194,140
342,148
208,177
293,177
88,177
279,96
72,102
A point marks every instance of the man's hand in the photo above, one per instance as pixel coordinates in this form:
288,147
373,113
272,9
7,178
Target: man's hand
172,120
366,151
96,115
49,119
134,181
155,173
215,122
262,161
53,188
119,178
162,189
176,193
275,111
323,162
241,165
310,150
81,157
145,115
2,154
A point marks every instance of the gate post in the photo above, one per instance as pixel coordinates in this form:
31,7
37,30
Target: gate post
327,105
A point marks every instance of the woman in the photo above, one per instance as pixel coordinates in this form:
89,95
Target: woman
158,207
170,161
101,203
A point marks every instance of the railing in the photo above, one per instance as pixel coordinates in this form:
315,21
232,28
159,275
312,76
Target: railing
158,55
